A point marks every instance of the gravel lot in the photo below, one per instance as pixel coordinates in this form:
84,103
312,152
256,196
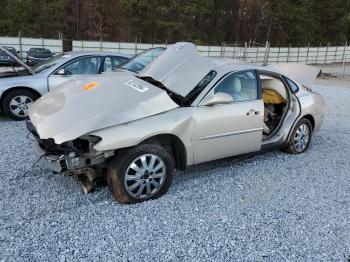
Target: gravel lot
272,207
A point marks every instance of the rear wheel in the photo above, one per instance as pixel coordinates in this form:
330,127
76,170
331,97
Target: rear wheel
301,137
141,173
17,102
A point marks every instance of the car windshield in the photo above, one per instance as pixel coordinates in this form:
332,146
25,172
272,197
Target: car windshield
140,61
40,51
11,50
49,63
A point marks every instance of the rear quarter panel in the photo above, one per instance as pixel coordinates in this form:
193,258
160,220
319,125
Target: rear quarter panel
311,103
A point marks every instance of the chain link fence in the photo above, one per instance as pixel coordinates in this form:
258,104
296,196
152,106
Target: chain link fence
249,52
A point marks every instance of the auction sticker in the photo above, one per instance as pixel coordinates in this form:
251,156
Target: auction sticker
136,85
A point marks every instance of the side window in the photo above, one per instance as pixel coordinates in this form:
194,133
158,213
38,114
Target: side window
111,62
242,86
293,86
83,66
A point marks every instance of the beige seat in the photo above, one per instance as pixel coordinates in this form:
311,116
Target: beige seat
276,85
237,92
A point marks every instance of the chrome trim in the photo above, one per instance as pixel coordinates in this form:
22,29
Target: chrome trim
231,133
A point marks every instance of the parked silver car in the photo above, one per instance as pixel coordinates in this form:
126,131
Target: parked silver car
181,109
18,90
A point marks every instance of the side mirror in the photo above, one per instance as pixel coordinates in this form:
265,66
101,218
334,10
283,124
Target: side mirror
18,52
216,99
61,72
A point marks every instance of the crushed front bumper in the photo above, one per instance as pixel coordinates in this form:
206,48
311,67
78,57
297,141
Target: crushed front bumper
63,160
67,162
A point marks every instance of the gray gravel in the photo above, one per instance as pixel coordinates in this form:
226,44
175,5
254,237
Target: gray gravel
271,207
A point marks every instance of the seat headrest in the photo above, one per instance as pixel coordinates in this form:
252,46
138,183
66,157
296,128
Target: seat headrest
236,85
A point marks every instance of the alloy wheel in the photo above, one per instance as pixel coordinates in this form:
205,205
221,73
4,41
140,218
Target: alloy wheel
301,138
145,176
19,105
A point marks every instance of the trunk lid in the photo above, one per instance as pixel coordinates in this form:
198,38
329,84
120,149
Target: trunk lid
303,74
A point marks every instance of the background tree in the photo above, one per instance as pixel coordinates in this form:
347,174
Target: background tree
282,22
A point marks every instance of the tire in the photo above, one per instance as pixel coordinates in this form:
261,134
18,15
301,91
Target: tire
129,186
304,128
22,99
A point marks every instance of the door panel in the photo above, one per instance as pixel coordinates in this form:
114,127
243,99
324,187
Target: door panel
225,130
228,130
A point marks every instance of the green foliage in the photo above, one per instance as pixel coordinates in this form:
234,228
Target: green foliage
282,22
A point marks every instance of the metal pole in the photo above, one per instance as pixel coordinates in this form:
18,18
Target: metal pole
62,43
325,57
318,48
335,54
344,56
20,43
267,52
224,50
245,51
288,53
278,55
298,54
307,53
135,46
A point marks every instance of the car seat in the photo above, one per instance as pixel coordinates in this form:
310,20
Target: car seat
86,67
237,92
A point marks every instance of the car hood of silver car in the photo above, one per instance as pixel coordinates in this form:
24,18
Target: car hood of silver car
86,105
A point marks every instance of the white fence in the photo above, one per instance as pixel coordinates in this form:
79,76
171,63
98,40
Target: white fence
265,54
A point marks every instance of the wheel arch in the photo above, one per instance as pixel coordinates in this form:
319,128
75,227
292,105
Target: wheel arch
311,119
5,93
174,144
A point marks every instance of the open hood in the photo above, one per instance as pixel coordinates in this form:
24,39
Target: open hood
85,105
179,68
30,70
303,74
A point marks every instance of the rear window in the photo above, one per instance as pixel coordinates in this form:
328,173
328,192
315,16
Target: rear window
293,86
39,51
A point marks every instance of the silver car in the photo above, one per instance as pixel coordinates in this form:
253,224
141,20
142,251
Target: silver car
135,128
18,90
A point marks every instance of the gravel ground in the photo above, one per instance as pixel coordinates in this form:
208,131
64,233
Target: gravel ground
271,207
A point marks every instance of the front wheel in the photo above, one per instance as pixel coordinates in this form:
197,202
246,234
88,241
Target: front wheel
141,173
301,137
17,102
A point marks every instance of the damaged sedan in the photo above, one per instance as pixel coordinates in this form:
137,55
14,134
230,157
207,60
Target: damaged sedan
133,128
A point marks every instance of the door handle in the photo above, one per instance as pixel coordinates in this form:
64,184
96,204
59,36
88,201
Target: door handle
252,111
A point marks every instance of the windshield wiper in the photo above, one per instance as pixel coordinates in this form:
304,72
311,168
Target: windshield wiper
175,97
